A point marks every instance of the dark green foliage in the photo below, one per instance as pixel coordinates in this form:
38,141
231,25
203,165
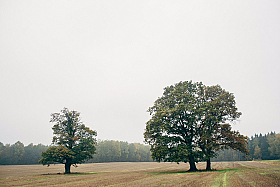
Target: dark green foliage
172,130
73,143
188,124
215,107
18,154
265,147
11,154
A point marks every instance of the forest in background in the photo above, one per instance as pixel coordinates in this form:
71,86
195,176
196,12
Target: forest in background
261,147
106,151
265,147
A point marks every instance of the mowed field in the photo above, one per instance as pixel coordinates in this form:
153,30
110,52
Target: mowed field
247,173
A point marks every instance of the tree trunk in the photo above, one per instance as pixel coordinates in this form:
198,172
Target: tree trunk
208,165
67,168
192,164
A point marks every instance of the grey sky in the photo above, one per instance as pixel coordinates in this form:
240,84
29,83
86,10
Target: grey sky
111,59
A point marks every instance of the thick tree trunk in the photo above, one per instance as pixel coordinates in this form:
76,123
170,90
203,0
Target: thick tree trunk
208,165
192,164
67,168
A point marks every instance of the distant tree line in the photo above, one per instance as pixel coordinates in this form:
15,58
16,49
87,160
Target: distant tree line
119,151
19,154
228,155
106,151
265,147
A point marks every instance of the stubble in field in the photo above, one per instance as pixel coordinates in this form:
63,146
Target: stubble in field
248,173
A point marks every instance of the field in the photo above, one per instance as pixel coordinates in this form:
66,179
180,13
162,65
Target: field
247,173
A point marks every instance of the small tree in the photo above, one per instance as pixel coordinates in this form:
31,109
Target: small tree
73,143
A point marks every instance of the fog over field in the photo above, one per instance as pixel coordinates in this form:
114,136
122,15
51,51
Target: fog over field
111,59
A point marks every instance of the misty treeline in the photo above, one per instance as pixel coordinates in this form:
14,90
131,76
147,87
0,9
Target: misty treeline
106,151
265,147
119,151
19,154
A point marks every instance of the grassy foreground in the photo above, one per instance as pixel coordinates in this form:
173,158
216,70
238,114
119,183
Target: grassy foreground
248,173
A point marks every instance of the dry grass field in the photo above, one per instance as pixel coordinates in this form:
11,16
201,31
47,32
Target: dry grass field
249,173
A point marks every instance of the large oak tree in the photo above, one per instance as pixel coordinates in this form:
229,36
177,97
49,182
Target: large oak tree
172,131
186,123
73,142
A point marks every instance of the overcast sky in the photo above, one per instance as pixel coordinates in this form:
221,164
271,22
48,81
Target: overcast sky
111,59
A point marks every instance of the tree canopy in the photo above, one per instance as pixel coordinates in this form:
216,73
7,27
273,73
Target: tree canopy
188,123
216,106
73,142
